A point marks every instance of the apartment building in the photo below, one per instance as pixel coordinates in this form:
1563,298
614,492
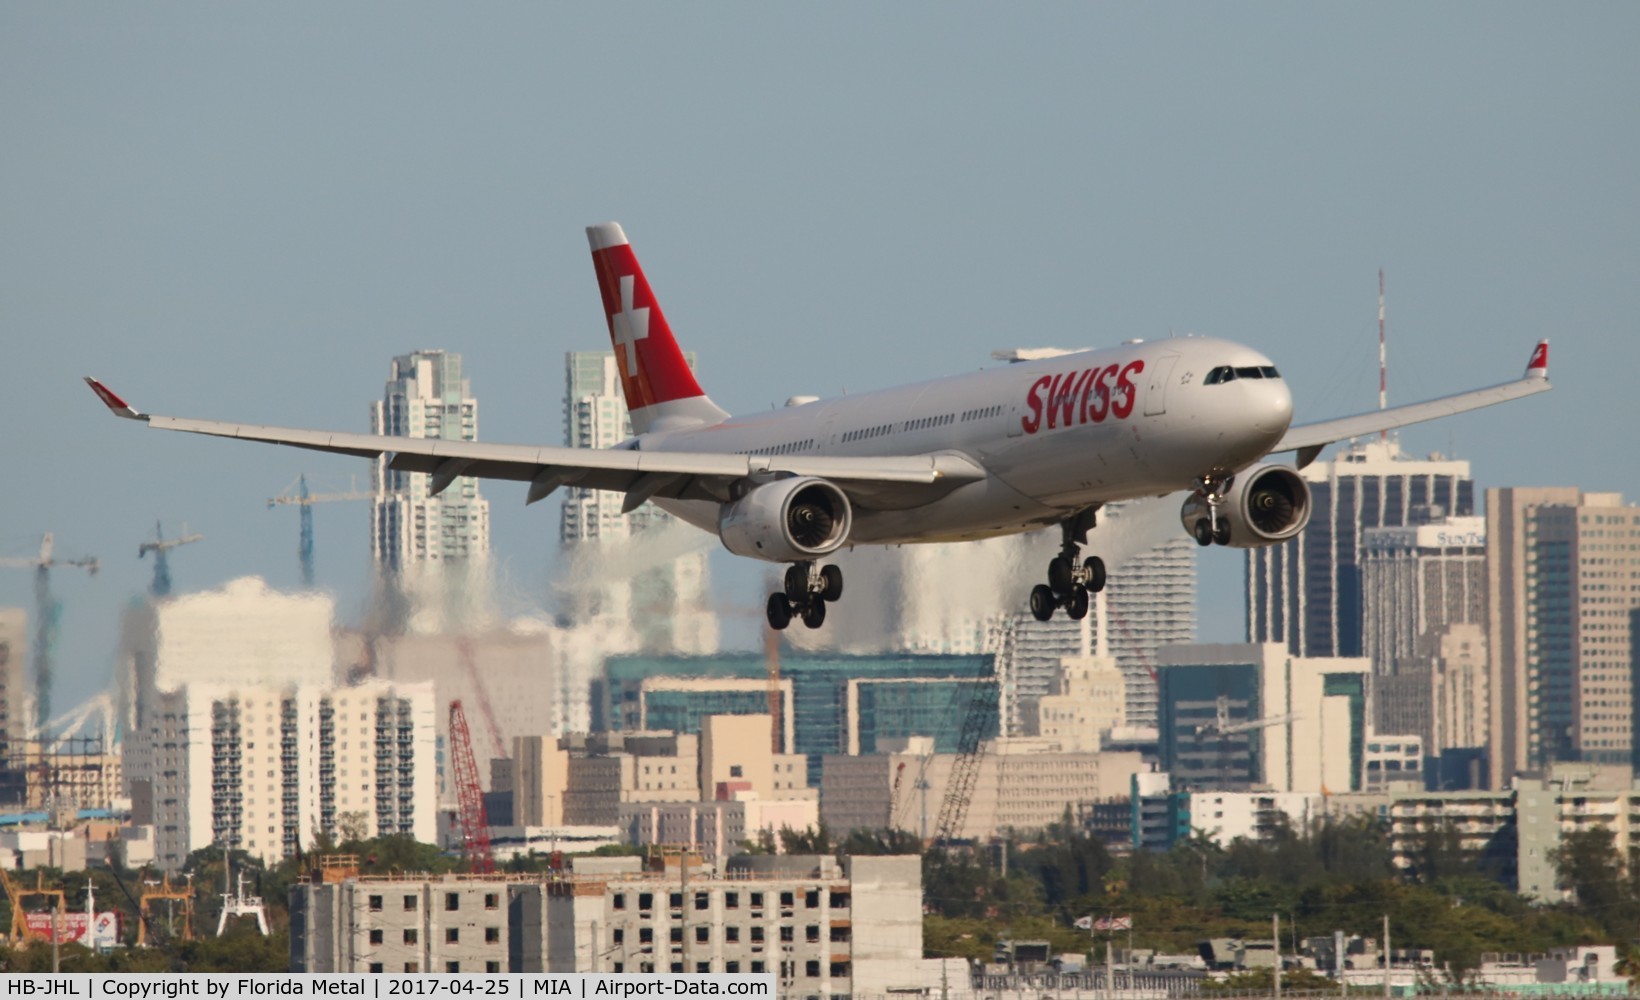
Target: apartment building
264,769
1515,831
823,927
1021,784
587,780
399,924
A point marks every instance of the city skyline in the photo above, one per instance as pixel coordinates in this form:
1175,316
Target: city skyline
259,243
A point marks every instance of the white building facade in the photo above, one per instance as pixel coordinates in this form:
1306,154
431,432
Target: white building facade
437,547
643,577
262,768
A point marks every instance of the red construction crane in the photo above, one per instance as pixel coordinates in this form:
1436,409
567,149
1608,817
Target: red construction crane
464,647
475,822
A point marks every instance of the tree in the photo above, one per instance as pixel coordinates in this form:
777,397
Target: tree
1588,865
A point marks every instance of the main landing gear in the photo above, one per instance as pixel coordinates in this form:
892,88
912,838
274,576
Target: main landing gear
1212,529
1069,586
808,589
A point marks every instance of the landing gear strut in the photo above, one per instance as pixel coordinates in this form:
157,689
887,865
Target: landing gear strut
1070,585
805,592
1212,529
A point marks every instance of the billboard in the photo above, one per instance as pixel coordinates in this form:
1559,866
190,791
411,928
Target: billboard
105,933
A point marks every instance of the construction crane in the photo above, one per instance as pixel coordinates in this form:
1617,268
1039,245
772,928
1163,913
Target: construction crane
21,932
475,822
161,587
982,711
48,615
1222,726
164,890
464,646
98,711
305,500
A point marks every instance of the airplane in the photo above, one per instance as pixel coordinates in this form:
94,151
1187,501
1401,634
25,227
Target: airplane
994,452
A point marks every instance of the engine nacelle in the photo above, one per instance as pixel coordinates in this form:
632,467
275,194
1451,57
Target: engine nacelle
788,520
1265,505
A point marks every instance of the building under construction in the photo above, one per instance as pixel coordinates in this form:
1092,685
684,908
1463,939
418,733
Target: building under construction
821,926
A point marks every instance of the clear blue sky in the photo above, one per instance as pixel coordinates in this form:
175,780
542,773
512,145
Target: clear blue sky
245,210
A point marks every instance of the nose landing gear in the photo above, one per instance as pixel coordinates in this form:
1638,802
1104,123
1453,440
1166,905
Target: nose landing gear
1212,529
1069,585
806,591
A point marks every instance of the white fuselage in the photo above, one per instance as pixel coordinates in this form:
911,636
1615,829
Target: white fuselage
1055,435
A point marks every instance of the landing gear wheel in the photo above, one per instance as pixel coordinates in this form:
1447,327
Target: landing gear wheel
1095,570
797,583
832,579
1221,535
779,611
1204,532
814,615
1076,606
1061,575
1043,602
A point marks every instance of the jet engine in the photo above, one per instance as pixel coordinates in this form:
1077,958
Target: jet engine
788,520
1264,505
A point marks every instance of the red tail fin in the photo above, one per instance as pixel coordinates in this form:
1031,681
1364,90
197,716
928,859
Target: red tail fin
654,374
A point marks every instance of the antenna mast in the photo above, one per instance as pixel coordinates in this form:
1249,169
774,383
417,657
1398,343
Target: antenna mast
1383,368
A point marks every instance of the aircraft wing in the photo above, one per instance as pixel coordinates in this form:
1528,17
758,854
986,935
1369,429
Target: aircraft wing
1309,439
877,481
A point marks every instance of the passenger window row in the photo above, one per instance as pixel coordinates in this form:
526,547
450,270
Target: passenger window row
867,432
790,448
926,422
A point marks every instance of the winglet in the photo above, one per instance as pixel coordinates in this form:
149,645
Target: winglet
1538,367
116,405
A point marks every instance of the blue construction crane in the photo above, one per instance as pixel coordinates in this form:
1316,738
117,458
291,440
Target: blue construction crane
48,615
161,587
305,500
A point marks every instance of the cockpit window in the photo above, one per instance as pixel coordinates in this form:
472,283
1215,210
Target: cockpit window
1227,373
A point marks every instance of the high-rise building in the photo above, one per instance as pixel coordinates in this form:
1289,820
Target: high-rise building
1415,580
1149,603
624,569
826,696
437,546
499,677
1244,717
1564,591
1417,584
14,701
1306,592
1507,515
264,769
245,632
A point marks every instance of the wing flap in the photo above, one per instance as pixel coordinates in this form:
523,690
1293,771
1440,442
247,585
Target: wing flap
884,481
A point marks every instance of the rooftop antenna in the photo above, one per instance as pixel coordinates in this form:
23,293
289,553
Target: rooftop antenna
1383,368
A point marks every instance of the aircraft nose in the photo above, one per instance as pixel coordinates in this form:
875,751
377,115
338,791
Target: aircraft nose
1272,407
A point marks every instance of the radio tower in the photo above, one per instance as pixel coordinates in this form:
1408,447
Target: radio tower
1383,369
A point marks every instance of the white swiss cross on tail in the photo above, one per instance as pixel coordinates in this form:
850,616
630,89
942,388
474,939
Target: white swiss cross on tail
630,326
